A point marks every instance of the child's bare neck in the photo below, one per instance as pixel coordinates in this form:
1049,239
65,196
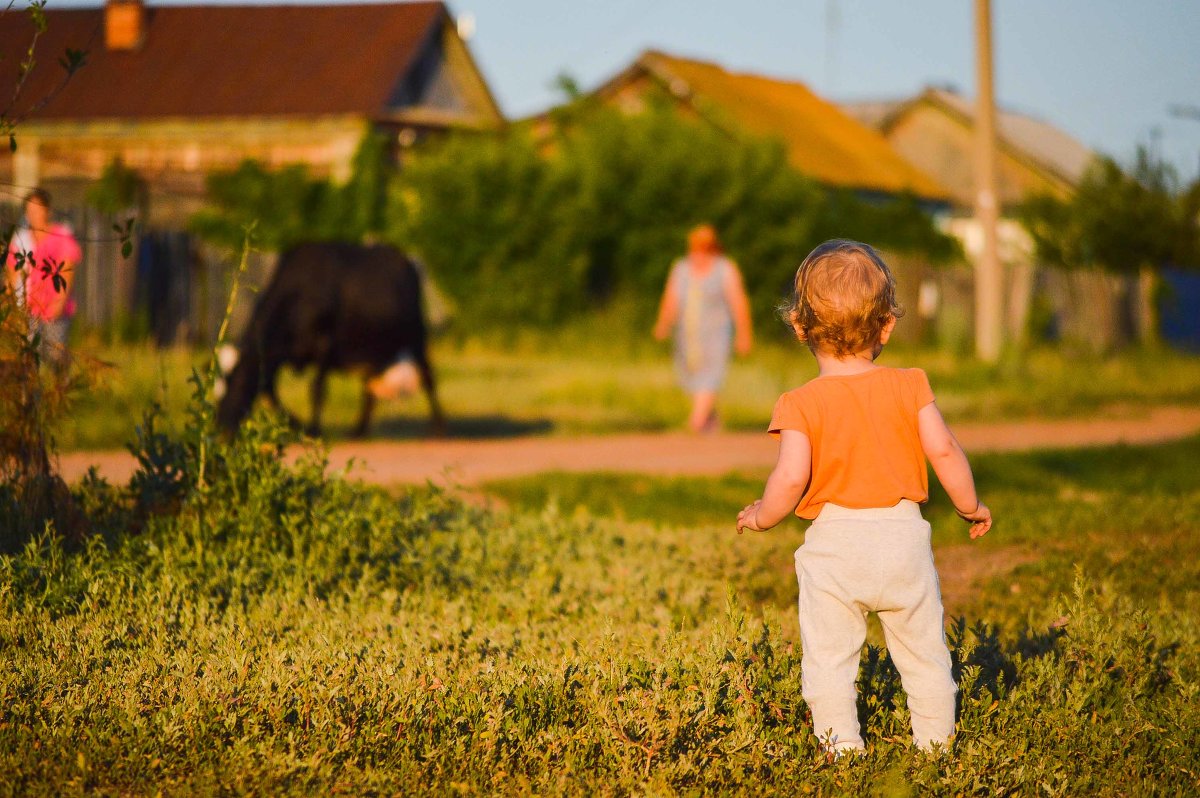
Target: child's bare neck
830,365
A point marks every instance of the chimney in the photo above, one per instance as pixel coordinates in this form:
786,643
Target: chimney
124,24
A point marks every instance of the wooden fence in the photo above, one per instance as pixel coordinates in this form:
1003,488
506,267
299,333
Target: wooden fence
173,289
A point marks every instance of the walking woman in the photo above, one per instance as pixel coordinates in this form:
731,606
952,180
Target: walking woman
705,304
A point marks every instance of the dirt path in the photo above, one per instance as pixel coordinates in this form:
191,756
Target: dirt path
470,462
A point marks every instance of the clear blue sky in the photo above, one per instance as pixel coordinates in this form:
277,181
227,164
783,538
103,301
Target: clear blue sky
1105,71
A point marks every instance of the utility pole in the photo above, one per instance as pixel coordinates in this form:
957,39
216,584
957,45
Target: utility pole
989,279
833,22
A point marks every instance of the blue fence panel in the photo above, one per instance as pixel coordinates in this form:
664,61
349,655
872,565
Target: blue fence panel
1179,308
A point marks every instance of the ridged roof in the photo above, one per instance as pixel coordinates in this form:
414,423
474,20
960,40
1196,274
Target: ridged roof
822,141
1037,140
209,61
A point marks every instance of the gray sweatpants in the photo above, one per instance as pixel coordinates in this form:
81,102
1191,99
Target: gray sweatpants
853,562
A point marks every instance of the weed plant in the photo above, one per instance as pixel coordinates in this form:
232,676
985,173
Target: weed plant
276,629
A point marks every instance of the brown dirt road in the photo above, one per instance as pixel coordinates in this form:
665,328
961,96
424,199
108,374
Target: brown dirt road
471,462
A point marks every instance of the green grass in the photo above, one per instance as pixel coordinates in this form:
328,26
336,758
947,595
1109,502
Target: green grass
539,384
1125,512
277,632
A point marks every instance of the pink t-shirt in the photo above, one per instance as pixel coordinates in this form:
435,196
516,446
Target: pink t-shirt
57,251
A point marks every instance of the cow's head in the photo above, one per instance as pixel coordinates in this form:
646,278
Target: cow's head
227,358
236,387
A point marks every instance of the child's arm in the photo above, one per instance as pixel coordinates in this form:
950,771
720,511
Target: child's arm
784,487
953,471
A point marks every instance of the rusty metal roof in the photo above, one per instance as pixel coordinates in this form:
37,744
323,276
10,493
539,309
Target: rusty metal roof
1045,145
821,139
226,61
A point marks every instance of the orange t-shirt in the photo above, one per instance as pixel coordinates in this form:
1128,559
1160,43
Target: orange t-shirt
866,450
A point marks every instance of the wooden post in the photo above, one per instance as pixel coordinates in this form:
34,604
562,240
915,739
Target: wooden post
989,282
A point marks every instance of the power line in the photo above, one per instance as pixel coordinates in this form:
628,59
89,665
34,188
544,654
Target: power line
1184,111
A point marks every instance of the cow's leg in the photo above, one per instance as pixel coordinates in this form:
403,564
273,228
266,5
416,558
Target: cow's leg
436,419
364,413
317,401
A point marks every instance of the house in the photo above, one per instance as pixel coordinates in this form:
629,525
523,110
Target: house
935,131
821,140
176,92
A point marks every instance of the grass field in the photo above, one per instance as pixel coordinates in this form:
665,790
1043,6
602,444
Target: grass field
271,631
596,384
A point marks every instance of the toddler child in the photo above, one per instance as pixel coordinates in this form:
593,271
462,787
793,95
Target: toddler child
852,449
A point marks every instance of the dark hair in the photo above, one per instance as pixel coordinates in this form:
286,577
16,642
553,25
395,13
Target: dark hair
39,195
842,298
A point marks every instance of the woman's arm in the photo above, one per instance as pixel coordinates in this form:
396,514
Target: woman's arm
739,306
668,309
785,486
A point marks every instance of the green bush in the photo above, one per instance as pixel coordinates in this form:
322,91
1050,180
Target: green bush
249,623
517,234
288,206
523,234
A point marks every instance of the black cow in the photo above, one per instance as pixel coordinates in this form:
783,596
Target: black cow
340,307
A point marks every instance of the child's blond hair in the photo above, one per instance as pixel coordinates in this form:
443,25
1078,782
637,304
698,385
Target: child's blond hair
843,297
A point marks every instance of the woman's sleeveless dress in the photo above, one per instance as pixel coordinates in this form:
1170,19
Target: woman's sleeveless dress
704,331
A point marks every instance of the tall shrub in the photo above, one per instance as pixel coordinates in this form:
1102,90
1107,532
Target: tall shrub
1119,222
519,233
32,398
492,219
287,206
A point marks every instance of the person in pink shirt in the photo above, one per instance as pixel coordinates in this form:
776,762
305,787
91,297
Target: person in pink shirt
40,270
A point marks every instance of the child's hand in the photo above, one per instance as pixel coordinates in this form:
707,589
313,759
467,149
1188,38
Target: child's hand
980,520
748,518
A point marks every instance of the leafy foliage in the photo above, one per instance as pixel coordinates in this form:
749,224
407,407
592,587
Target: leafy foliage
33,498
531,233
518,235
1119,221
33,402
272,628
17,108
288,206
117,190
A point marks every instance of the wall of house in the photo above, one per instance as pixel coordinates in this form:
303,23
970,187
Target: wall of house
172,287
943,146
174,156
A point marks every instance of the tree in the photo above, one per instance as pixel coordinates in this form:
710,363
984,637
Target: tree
524,232
1121,223
521,232
288,205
